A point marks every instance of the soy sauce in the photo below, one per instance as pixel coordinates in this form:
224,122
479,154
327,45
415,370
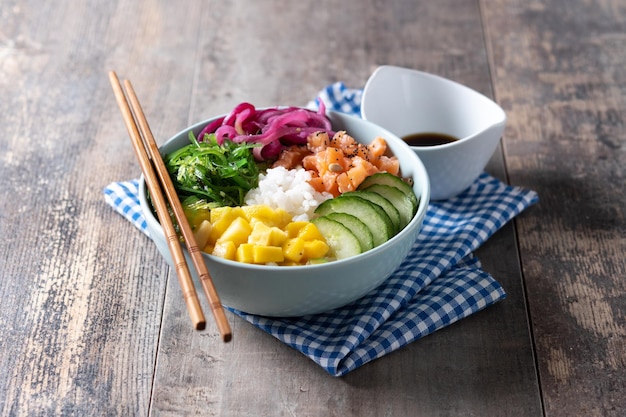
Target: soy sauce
428,139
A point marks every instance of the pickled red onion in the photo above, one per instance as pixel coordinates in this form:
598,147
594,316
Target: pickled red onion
272,128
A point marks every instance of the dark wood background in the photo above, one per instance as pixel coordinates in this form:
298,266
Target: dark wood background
91,321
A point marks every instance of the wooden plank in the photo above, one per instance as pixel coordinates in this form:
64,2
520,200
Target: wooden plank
81,290
481,366
559,72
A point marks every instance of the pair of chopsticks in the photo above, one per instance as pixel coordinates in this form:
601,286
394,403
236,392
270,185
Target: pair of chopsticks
158,181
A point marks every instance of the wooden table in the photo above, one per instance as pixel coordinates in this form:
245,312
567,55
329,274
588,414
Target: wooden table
91,321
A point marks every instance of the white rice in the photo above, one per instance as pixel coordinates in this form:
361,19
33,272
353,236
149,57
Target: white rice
288,190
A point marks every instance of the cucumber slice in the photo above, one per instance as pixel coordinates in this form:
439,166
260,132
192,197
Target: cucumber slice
369,213
399,199
342,242
386,178
386,205
357,227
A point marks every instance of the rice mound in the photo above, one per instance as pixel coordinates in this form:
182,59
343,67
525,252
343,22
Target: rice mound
289,190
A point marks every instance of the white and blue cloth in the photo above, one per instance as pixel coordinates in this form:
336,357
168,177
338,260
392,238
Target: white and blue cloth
439,283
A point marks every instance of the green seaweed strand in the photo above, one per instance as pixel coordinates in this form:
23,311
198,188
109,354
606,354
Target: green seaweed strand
219,174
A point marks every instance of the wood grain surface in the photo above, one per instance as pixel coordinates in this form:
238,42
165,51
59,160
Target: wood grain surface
560,74
91,319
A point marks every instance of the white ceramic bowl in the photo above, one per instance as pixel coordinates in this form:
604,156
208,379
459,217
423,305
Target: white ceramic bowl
408,101
301,290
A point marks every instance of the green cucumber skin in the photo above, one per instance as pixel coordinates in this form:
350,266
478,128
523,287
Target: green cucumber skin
386,178
383,202
356,226
340,239
369,213
398,199
360,220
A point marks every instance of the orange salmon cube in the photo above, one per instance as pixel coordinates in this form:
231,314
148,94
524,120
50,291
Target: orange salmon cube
377,147
344,184
387,164
318,184
310,162
334,156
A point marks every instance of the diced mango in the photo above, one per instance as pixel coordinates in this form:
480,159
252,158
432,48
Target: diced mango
310,232
237,232
221,218
245,253
226,250
293,249
315,249
277,236
202,233
293,228
260,234
227,213
263,254
266,235
266,214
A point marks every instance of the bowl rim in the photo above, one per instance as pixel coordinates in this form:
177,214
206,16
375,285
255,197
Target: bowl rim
423,200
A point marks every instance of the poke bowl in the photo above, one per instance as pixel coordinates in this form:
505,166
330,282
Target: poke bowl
278,290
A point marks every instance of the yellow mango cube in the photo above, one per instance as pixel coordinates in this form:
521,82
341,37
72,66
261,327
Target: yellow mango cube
263,254
293,249
202,233
310,232
266,214
277,236
237,232
263,234
226,250
257,211
221,218
225,213
293,228
315,249
260,234
245,253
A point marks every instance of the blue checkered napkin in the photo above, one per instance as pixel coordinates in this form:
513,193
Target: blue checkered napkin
340,98
122,196
439,283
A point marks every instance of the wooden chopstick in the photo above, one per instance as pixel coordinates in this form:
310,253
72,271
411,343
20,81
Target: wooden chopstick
195,252
184,277
146,159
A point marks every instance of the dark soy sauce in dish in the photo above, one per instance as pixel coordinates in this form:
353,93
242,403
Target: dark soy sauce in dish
428,139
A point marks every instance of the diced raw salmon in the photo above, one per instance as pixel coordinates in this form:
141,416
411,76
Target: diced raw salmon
341,164
318,184
317,142
333,157
343,183
387,164
378,147
310,163
356,174
341,140
291,157
330,184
